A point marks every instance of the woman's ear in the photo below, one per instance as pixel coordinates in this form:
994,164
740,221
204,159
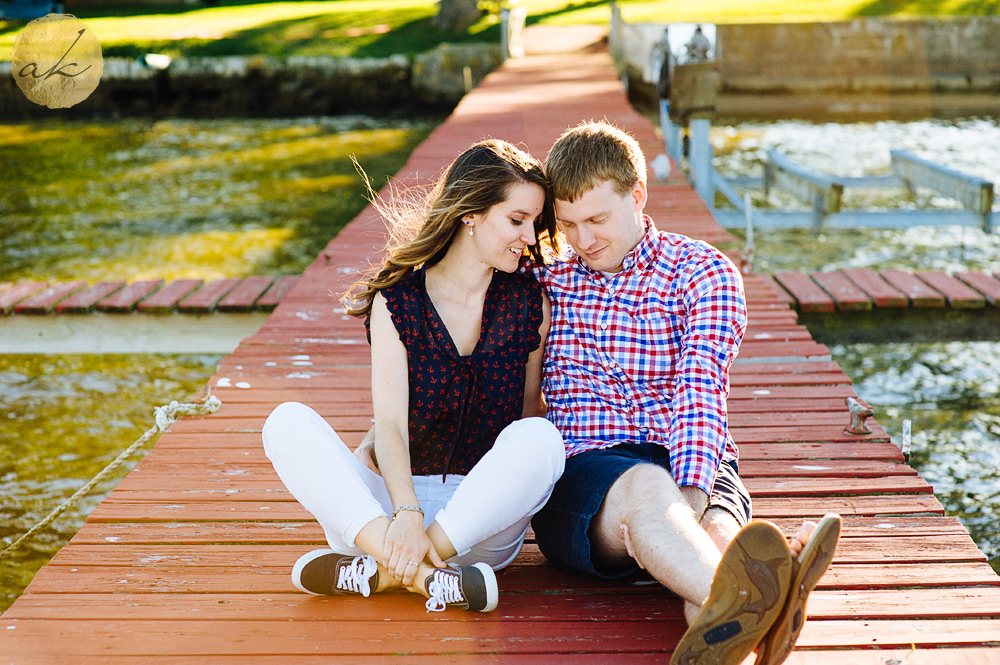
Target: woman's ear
471,219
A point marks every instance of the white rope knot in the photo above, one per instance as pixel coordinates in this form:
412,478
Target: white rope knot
164,416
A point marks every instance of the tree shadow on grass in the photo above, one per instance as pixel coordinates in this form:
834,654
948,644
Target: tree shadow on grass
572,7
359,34
926,8
422,35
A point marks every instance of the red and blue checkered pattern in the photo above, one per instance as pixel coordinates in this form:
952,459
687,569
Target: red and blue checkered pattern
644,354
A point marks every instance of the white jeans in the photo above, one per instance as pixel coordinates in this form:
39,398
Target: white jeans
485,514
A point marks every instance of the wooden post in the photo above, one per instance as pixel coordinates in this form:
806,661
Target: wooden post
693,91
700,159
615,34
511,28
504,33
671,133
821,191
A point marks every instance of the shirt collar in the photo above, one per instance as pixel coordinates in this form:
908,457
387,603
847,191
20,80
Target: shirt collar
639,257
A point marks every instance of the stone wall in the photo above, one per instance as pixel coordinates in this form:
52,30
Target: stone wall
865,67
264,86
947,55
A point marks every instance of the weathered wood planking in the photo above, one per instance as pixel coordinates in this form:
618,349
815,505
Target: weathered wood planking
187,561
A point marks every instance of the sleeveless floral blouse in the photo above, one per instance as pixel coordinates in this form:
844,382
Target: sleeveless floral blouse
459,404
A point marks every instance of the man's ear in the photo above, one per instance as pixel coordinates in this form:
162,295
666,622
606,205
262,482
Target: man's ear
639,195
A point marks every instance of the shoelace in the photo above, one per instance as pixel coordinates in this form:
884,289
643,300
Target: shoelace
355,575
444,588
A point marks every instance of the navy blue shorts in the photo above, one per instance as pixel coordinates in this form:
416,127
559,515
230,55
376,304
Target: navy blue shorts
562,526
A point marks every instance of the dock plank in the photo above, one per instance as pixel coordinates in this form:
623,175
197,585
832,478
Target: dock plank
919,292
879,290
18,292
167,298
274,295
956,292
207,297
118,508
126,299
777,289
984,284
86,300
245,295
808,295
44,302
846,296
188,560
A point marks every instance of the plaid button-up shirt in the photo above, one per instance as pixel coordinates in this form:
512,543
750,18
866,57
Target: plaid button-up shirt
644,354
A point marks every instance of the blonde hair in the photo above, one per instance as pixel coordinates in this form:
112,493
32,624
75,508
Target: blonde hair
589,154
422,232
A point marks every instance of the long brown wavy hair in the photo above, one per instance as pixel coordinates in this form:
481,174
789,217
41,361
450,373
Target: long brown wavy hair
421,233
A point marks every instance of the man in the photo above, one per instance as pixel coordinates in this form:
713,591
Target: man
645,326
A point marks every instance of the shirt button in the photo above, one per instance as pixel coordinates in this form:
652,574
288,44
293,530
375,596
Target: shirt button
604,326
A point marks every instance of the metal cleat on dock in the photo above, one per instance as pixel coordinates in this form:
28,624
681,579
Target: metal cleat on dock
859,417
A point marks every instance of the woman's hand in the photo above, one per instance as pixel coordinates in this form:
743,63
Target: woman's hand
366,453
406,542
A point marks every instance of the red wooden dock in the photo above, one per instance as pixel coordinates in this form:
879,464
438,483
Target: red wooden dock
188,560
864,289
189,296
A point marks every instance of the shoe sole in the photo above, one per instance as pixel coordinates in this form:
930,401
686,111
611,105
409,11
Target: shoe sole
492,590
812,562
747,595
303,561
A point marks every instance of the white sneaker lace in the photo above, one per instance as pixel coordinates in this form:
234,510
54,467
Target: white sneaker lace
355,575
444,588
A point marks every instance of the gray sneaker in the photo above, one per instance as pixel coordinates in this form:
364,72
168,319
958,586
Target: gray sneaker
327,573
468,587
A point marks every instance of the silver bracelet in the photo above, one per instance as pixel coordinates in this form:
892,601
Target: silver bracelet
416,509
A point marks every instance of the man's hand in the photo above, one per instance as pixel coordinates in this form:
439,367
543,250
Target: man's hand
695,498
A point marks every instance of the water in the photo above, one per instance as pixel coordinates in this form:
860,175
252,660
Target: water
62,419
969,145
951,392
138,199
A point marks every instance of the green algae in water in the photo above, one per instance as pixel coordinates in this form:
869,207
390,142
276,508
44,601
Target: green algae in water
138,199
64,419
951,392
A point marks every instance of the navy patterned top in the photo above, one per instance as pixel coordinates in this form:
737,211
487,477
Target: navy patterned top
459,404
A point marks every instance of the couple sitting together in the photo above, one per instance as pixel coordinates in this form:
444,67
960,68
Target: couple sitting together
583,392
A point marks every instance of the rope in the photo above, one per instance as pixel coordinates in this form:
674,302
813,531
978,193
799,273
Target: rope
164,416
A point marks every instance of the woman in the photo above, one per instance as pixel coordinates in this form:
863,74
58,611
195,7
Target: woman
464,461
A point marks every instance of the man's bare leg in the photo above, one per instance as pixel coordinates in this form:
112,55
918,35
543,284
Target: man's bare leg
721,527
645,517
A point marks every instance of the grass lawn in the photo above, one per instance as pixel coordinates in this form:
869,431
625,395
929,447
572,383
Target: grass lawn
378,28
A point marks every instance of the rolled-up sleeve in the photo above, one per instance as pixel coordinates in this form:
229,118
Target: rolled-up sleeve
715,323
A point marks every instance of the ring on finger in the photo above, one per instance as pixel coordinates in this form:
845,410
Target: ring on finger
412,563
